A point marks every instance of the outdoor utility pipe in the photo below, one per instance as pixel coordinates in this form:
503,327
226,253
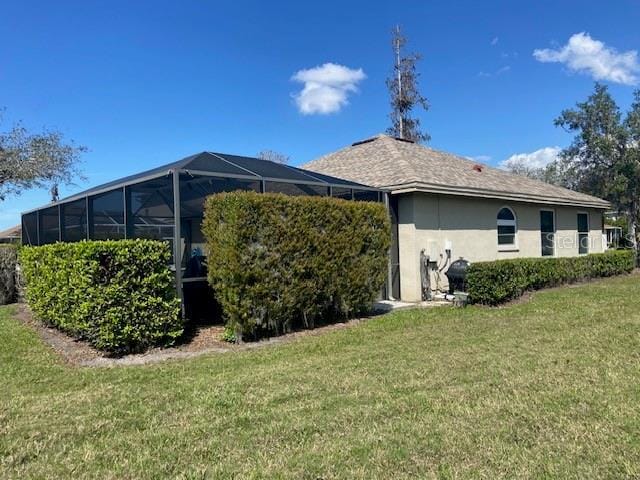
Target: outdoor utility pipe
425,277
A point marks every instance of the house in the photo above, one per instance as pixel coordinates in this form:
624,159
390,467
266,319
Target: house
449,207
11,235
167,202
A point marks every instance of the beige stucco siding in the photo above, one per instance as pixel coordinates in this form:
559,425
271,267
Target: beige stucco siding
469,226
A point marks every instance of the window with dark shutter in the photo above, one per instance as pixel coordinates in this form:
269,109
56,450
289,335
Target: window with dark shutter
583,233
547,232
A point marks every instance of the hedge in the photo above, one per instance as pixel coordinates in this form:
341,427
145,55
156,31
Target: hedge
279,262
492,283
8,260
117,295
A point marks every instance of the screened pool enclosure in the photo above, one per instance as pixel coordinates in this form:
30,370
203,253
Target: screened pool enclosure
166,203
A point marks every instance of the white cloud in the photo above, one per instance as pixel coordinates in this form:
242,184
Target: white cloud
326,88
497,73
587,55
494,41
538,159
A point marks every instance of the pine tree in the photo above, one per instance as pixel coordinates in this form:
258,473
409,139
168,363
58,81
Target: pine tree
405,95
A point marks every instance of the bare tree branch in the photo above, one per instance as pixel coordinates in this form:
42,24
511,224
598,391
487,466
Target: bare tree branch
273,156
41,160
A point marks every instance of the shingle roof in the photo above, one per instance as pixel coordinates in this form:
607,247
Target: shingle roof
13,232
403,166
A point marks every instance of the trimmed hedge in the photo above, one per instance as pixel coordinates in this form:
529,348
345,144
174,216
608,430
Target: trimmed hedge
117,295
278,262
492,283
8,261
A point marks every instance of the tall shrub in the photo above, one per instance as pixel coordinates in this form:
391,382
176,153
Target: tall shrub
492,283
118,295
8,260
277,262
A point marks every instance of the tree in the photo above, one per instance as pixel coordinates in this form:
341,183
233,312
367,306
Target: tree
550,173
273,156
603,159
628,184
41,160
520,167
404,93
599,144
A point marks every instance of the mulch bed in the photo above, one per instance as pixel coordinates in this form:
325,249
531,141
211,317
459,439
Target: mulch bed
199,340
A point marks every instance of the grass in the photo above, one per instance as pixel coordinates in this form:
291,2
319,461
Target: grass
548,388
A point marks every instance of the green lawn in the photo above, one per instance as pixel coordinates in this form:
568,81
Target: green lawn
548,389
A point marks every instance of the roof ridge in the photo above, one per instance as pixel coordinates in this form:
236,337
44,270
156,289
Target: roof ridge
392,143
501,171
548,185
385,162
383,140
379,136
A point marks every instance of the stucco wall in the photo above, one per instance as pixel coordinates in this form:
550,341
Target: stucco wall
430,222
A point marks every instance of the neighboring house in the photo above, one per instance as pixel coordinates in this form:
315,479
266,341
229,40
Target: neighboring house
452,207
614,236
11,235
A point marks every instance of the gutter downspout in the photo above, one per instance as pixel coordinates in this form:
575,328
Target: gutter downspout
389,264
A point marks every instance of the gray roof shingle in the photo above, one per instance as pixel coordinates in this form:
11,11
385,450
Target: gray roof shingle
13,232
403,166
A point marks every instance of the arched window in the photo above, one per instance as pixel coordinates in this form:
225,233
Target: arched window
506,227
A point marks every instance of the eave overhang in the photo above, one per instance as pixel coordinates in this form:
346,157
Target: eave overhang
494,194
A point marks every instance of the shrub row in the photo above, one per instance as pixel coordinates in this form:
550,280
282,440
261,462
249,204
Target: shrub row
492,283
8,260
278,262
118,295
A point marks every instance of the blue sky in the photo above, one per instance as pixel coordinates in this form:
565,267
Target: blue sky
144,83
